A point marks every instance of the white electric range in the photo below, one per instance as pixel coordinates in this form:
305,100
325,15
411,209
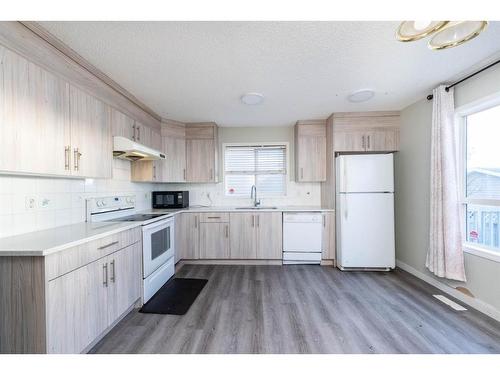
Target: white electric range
158,237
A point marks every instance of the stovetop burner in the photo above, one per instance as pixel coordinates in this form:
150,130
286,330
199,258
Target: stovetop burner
138,217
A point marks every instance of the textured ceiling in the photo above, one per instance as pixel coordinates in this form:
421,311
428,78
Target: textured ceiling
197,71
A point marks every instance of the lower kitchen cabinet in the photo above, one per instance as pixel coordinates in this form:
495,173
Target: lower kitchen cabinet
187,236
64,302
214,240
256,235
328,239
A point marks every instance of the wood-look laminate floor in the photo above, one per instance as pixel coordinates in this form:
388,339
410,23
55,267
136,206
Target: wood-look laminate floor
306,309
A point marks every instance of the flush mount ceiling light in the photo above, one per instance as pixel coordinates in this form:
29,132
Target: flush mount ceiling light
456,33
446,34
409,31
361,96
252,98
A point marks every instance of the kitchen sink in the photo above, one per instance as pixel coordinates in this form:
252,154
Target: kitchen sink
257,208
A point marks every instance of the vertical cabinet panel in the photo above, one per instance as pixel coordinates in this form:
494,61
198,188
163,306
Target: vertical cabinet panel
122,125
77,308
310,151
174,167
243,235
349,141
328,238
34,116
200,160
269,235
187,236
214,241
91,140
124,283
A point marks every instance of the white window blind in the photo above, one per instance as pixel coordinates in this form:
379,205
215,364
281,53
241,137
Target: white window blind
260,165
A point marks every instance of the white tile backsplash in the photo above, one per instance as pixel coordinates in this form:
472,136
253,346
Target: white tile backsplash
65,198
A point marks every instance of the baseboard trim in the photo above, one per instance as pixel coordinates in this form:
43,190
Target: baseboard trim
240,262
475,303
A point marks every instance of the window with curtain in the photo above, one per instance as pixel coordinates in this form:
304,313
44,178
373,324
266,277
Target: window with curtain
481,177
261,165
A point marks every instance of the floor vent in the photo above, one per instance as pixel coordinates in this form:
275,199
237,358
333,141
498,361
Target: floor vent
449,302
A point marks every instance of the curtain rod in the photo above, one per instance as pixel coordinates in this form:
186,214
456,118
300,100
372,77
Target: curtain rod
429,97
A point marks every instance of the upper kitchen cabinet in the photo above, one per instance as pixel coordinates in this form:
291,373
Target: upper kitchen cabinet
310,151
201,152
91,141
143,134
173,137
34,117
366,132
122,125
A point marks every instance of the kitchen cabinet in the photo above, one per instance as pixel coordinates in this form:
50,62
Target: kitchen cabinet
310,151
187,229
214,240
201,152
149,170
173,135
328,236
91,141
366,132
34,113
143,134
122,125
256,235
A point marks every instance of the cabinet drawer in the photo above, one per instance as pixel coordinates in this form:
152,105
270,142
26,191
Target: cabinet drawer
68,260
214,217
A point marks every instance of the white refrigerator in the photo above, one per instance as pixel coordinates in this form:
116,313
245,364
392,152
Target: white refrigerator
365,211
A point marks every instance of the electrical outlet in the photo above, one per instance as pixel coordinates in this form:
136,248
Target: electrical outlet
30,203
44,202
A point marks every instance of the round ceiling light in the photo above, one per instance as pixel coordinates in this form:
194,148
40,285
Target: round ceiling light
456,33
361,96
409,31
252,98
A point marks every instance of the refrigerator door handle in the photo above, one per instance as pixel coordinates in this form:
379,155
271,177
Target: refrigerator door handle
345,206
344,170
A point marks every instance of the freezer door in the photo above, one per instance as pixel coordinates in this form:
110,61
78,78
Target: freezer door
365,173
365,230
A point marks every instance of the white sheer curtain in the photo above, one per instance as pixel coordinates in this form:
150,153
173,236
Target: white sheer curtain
445,256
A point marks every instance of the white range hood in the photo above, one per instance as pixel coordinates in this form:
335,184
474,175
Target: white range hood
125,148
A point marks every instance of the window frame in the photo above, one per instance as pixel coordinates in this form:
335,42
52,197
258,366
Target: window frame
257,144
461,114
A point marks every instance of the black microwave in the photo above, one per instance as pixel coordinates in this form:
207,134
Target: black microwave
170,199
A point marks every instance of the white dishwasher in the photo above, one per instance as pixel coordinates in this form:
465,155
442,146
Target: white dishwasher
302,234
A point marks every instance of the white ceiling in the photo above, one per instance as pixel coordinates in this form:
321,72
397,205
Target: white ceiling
197,71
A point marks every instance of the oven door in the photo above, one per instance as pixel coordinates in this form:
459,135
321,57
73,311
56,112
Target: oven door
157,244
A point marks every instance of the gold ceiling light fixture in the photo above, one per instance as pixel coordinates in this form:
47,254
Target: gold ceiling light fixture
445,34
456,33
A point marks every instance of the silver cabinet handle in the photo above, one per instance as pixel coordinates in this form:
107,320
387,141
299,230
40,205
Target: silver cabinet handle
108,245
133,132
258,221
105,274
227,231
363,142
196,221
253,221
213,217
211,174
184,173
154,172
301,173
113,274
138,133
324,221
75,159
368,142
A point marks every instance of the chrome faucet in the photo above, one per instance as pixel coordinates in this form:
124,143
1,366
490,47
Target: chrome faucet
253,195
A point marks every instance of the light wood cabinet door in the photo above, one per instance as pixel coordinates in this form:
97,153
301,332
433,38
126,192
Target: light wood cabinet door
311,159
91,141
269,235
328,239
34,118
349,141
200,160
122,125
214,241
77,308
187,236
124,280
143,134
243,235
382,140
174,166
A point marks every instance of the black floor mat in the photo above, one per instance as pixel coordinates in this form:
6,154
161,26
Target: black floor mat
175,297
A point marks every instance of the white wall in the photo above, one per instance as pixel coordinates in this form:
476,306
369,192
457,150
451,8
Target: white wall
65,198
412,173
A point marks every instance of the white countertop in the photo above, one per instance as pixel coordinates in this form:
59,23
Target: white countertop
52,240
49,241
